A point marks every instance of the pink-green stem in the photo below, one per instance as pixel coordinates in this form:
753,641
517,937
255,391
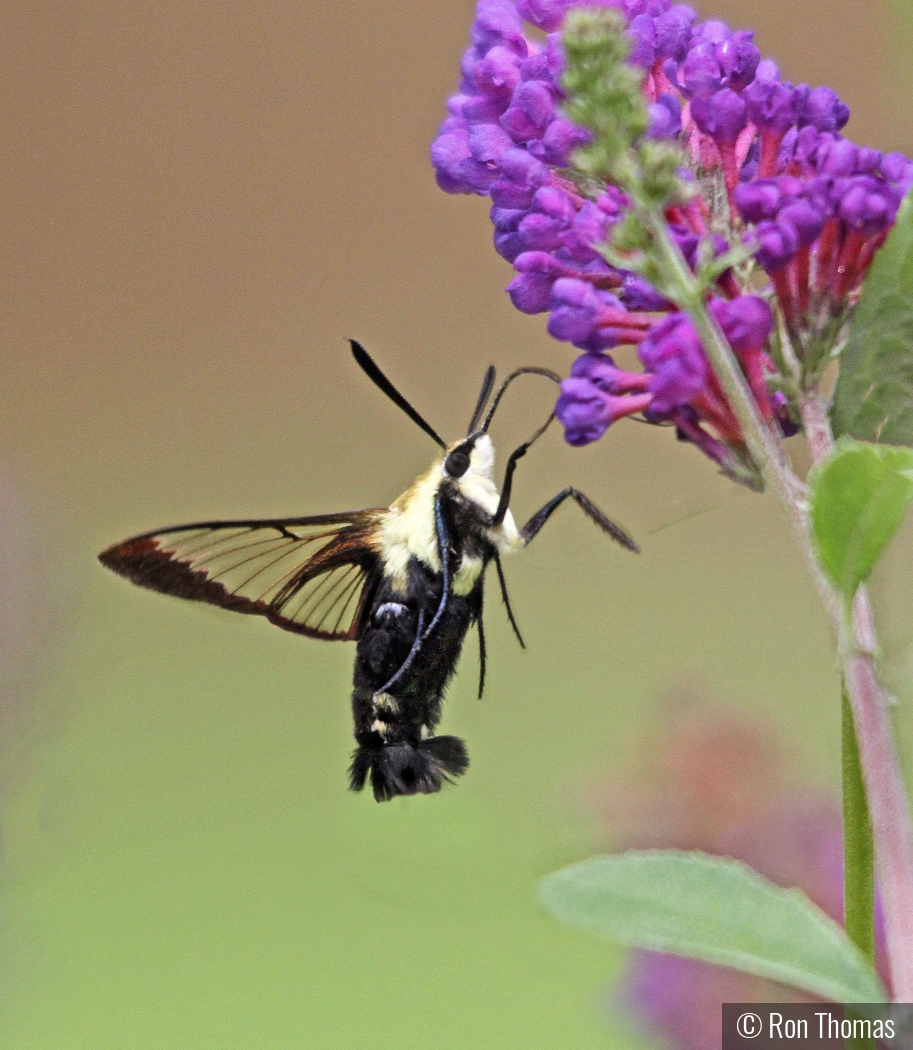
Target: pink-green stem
858,855
889,809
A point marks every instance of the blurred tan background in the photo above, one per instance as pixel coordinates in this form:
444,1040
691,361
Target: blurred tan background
202,202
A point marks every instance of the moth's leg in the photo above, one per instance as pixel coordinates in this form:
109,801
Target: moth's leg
512,460
531,529
482,650
506,599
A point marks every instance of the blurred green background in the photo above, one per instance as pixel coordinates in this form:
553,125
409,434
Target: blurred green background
202,203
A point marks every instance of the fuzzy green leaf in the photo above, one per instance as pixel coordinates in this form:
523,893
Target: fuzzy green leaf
874,396
715,909
858,496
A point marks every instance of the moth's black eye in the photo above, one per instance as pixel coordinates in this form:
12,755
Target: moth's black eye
457,463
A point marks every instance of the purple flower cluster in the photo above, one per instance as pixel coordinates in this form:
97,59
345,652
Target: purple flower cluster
818,222
506,138
815,205
677,384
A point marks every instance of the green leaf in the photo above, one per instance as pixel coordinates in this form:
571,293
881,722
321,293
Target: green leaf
858,496
874,396
715,909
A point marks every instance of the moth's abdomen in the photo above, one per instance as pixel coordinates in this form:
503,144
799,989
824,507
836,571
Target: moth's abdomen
398,692
395,749
408,768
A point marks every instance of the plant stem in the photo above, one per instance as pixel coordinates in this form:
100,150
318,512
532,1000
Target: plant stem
858,871
889,810
890,816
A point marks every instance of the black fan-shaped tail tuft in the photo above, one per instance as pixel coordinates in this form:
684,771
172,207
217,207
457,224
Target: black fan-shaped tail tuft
407,769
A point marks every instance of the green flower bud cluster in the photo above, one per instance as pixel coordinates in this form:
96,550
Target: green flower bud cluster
605,95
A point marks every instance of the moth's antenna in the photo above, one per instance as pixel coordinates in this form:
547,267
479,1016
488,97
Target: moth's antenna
546,372
377,377
487,383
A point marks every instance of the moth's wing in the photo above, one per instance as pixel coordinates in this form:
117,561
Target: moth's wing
308,575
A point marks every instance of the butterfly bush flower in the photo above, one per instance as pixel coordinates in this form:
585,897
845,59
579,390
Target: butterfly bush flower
766,169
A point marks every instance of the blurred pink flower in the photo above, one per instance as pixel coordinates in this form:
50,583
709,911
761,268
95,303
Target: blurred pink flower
717,780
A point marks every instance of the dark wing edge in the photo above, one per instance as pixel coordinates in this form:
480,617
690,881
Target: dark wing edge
312,576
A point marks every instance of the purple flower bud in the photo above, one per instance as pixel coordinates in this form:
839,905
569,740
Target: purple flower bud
895,167
806,143
584,411
497,22
521,176
738,59
546,14
455,109
448,151
536,67
612,201
590,227
897,170
471,58
498,73
711,32
639,295
530,291
601,371
575,308
642,37
722,116
701,71
777,244
672,31
484,109
597,394
551,200
592,320
486,143
770,105
508,244
539,232
673,353
868,161
868,206
561,138
554,50
817,192
506,218
837,156
665,118
749,169
529,112
758,200
806,219
600,339
820,107
746,322
687,243
792,187
767,70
